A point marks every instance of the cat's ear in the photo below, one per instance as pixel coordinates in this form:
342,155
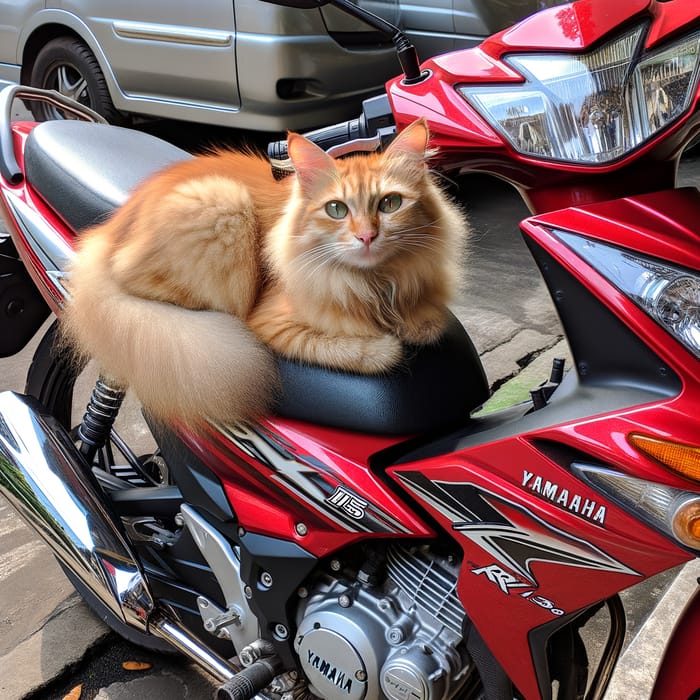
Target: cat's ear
412,141
313,166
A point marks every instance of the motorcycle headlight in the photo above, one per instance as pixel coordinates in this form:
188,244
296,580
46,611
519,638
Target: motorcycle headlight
593,107
669,294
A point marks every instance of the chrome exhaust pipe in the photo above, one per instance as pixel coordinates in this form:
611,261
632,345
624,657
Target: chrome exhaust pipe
46,480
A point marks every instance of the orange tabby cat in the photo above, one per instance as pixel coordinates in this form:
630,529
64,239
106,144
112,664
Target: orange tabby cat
335,266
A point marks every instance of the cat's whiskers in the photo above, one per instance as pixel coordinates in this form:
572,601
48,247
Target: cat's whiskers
442,176
417,240
427,227
313,262
416,248
314,259
417,237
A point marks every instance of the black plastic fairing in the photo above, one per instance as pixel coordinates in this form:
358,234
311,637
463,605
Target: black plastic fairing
606,352
288,565
614,370
199,486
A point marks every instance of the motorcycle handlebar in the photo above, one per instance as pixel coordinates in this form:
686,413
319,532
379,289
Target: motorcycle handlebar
325,137
376,116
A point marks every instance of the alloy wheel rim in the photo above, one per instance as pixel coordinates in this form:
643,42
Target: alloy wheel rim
66,79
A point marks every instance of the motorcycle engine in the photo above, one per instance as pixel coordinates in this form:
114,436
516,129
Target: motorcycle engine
396,641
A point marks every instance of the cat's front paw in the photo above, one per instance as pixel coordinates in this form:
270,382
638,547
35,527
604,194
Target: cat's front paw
379,355
425,331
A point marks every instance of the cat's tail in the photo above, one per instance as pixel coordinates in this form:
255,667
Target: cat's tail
182,364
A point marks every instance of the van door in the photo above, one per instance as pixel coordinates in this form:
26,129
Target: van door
166,50
430,25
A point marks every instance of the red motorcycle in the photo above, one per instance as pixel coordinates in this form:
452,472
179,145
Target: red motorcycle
373,538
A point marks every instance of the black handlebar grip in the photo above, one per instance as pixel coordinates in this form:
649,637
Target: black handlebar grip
325,138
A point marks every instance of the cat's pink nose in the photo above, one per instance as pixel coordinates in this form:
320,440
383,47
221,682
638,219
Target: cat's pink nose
366,238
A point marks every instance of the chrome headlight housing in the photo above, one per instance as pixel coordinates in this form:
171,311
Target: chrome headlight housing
668,293
593,107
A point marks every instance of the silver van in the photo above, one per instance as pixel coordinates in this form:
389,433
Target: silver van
238,63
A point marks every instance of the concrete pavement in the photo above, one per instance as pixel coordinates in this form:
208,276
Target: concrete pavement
46,633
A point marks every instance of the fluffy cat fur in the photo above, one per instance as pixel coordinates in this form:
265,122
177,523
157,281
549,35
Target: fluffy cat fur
210,263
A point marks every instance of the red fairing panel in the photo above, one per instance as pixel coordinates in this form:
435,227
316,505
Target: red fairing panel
679,672
538,543
280,475
567,27
661,224
579,25
670,17
658,226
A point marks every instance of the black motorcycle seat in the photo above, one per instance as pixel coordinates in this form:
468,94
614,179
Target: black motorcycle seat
85,170
435,388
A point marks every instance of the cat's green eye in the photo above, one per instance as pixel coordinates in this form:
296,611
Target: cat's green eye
336,209
390,203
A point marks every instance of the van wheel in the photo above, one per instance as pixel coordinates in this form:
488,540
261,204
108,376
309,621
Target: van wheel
68,66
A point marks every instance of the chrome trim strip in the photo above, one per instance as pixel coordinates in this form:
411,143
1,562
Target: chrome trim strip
52,252
173,34
366,145
372,143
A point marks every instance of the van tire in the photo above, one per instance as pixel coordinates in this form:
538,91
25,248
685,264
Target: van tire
67,65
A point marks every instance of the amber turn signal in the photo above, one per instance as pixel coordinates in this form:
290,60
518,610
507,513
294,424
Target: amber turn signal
686,523
682,459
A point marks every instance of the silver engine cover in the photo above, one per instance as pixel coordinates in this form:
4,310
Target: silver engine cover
392,642
336,664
